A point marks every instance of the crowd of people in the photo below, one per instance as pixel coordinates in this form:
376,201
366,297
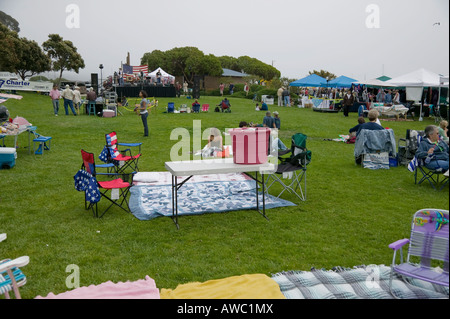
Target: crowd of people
71,99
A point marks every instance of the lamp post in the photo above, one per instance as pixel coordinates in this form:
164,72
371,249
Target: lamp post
101,77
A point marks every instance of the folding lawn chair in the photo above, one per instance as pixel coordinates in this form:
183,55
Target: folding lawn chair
407,147
291,171
122,159
374,147
436,177
205,107
43,142
428,247
11,277
118,188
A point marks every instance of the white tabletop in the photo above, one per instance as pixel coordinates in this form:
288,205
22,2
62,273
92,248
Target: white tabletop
215,166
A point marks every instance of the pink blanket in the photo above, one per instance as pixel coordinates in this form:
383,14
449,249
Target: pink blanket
140,289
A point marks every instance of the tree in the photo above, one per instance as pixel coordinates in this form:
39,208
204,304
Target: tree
32,60
9,22
8,43
155,59
185,61
324,74
63,54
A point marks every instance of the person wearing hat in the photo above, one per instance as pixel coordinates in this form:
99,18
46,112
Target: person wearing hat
276,120
77,98
68,96
280,96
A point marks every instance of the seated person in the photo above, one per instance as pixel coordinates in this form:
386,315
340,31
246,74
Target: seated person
433,150
225,104
268,121
195,106
372,125
443,130
215,139
215,144
257,107
276,120
243,124
354,129
264,106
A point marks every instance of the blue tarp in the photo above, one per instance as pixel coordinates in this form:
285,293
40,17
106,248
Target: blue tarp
310,80
339,82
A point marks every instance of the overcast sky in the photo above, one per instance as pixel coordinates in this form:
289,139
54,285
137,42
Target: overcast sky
361,39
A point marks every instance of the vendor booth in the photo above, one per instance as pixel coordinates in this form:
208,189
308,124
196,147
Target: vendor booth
415,82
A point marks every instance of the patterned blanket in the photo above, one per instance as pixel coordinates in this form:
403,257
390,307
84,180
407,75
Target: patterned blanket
361,282
151,201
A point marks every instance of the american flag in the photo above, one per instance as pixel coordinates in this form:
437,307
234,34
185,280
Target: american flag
128,69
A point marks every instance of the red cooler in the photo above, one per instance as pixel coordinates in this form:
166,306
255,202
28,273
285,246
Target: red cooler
250,145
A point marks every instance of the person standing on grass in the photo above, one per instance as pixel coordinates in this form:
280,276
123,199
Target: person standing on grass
68,96
55,95
143,113
77,98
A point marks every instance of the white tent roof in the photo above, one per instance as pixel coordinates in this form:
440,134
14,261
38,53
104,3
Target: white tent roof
376,82
164,74
444,80
418,78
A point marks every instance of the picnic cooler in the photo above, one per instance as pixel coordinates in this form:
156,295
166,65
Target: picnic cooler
109,113
8,157
250,145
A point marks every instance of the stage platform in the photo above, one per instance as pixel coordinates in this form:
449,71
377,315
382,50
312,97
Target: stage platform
152,91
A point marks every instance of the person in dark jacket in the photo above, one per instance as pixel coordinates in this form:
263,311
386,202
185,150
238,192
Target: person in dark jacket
433,150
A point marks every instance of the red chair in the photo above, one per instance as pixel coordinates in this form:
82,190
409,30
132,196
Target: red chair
118,188
121,158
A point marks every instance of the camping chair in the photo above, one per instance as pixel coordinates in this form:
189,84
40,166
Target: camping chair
122,159
373,148
422,173
407,147
428,242
292,169
118,188
170,107
205,107
11,277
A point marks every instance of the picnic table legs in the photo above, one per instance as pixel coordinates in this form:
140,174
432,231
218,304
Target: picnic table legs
262,182
176,186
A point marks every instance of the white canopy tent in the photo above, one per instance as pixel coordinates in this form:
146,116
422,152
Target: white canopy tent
375,83
444,82
415,82
165,77
418,78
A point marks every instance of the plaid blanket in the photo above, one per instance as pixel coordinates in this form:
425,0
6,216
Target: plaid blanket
361,282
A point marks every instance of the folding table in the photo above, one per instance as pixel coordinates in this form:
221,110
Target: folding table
215,166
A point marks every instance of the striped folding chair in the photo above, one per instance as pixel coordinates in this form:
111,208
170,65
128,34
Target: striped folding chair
428,247
121,158
11,277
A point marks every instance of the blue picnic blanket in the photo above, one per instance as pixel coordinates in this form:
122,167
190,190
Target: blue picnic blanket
148,202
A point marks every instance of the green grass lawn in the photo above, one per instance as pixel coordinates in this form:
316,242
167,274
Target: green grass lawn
350,216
